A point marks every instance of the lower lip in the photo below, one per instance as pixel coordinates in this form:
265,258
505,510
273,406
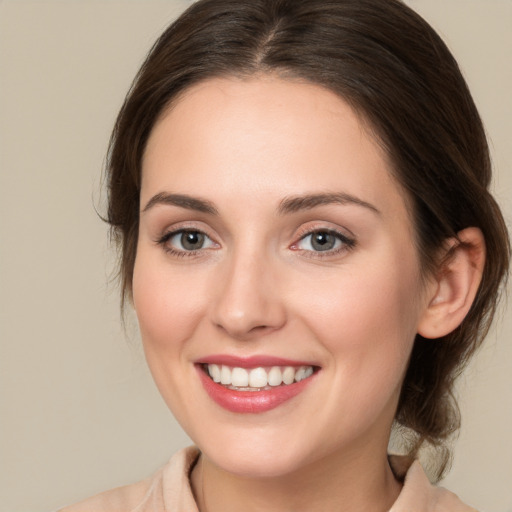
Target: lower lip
251,401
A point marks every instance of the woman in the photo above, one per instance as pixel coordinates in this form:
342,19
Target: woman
300,192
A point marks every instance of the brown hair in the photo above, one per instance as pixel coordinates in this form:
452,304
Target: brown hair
396,72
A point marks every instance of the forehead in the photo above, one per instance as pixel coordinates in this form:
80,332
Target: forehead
266,136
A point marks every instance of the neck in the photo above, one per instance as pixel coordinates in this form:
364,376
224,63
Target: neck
348,482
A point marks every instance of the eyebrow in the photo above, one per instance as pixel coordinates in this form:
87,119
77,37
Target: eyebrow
310,201
286,206
182,201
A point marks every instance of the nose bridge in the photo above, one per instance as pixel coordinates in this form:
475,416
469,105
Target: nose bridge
247,303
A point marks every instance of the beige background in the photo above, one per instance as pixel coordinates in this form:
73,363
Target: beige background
79,412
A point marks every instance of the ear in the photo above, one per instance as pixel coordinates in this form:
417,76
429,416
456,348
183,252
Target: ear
454,288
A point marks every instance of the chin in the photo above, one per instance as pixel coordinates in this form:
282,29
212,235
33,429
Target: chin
251,462
256,456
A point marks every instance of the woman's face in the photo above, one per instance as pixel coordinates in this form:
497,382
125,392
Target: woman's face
273,245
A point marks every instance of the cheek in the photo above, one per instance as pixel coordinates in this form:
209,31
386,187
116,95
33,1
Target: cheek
168,304
169,307
368,328
377,300
367,322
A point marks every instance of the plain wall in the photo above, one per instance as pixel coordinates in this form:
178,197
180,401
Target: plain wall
78,410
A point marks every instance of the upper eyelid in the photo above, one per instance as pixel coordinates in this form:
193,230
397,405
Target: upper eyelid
166,234
321,230
308,229
348,241
169,233
164,242
186,226
344,238
303,231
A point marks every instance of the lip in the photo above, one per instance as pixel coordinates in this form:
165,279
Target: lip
253,402
251,362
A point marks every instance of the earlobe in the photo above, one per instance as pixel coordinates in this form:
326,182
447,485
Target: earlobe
456,284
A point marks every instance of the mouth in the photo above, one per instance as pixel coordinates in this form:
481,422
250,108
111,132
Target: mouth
256,379
254,385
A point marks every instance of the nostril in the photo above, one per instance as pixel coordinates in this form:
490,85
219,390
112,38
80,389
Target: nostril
243,332
260,328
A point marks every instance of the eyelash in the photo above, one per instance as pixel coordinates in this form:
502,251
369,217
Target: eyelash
163,241
347,243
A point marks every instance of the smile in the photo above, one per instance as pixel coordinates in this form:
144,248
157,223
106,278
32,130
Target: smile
254,385
257,379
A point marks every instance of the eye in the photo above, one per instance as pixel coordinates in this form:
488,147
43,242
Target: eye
324,240
186,240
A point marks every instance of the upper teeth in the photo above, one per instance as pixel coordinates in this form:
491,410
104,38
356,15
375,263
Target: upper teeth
258,377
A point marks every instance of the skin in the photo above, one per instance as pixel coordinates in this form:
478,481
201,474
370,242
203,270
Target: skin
257,287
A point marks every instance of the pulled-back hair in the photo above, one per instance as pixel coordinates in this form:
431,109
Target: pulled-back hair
399,76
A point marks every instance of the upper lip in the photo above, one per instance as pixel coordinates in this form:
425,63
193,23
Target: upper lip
251,362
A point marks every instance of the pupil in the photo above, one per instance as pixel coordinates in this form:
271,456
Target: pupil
323,241
192,240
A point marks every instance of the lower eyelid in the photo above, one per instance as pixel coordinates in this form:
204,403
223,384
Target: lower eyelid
165,241
345,240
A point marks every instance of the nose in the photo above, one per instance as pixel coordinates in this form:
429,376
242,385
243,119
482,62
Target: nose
248,304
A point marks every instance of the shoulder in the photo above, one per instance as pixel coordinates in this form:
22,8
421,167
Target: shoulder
121,499
420,495
148,494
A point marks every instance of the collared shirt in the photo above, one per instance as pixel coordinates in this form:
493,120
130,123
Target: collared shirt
169,491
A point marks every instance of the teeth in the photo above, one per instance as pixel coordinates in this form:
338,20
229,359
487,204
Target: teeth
239,377
225,375
275,376
299,374
258,378
214,372
288,374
